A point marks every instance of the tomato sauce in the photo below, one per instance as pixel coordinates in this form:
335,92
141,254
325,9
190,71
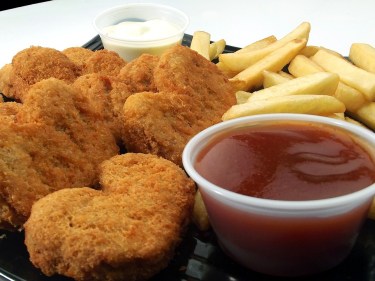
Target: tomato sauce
287,161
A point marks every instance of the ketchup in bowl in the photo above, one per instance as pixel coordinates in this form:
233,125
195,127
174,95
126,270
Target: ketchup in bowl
286,194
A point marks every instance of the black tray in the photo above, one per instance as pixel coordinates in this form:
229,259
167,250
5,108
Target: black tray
199,256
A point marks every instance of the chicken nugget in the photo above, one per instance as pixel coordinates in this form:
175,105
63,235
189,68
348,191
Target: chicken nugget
139,74
34,64
78,55
51,141
128,231
5,85
104,62
193,95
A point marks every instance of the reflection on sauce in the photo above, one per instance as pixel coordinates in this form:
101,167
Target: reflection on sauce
287,161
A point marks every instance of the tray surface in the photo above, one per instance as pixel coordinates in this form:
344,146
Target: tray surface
198,257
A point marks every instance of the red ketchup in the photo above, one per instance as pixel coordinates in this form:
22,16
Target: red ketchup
290,162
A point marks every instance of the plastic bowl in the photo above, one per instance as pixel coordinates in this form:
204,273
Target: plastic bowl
140,12
275,237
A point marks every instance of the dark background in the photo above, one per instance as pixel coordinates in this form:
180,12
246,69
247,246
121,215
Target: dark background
10,4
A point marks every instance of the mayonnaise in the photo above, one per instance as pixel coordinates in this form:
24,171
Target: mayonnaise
145,30
130,39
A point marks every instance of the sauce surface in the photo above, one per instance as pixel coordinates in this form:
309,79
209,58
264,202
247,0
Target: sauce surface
287,161
141,30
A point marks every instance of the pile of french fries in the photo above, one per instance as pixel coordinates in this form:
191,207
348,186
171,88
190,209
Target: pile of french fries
290,76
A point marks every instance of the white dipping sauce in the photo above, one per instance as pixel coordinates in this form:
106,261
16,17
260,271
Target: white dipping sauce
130,39
146,30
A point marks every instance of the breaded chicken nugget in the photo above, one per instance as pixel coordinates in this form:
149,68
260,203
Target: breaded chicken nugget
78,55
5,85
51,141
96,93
35,64
139,74
128,231
193,95
104,62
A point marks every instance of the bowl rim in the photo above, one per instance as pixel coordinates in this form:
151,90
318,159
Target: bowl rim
223,194
179,32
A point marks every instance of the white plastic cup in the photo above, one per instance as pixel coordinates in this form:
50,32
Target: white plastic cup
269,236
131,49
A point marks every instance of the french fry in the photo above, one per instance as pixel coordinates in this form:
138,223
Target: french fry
309,51
307,104
350,74
201,43
286,74
252,77
363,56
216,48
366,115
242,96
200,216
257,45
241,61
352,98
322,83
273,78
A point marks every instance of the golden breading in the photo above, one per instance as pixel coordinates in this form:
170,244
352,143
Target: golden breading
51,141
193,95
96,90
5,86
139,74
128,231
34,64
104,62
78,55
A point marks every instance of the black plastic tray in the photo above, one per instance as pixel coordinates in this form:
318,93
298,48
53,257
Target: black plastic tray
199,256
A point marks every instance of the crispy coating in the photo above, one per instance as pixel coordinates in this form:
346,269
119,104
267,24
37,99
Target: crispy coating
78,55
139,74
192,95
5,85
35,64
50,142
96,89
128,231
104,62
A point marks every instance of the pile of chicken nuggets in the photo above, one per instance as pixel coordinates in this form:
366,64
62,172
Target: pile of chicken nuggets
91,211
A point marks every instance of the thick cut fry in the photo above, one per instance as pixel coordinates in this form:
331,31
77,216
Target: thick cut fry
352,98
309,51
241,61
320,83
242,96
200,216
366,115
252,77
201,43
217,48
307,104
271,78
363,56
350,74
252,47
257,45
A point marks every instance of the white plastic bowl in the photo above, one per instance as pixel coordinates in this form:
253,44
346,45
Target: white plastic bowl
131,49
266,235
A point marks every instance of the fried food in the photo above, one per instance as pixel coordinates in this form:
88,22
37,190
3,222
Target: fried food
127,231
78,55
51,141
34,64
192,95
104,62
139,74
